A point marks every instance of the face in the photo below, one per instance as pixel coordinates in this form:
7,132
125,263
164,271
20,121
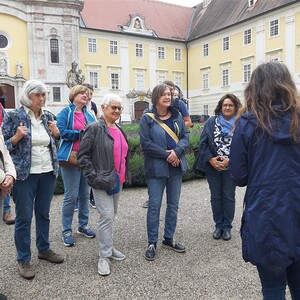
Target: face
165,99
81,99
112,111
38,100
228,109
90,94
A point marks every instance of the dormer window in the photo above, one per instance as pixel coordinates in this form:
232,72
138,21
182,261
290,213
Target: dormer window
252,2
206,3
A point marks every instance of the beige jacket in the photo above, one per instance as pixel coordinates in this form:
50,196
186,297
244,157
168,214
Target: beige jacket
9,168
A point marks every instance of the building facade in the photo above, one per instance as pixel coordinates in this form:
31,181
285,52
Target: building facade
127,47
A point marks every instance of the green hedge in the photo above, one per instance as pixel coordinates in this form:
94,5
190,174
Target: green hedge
136,163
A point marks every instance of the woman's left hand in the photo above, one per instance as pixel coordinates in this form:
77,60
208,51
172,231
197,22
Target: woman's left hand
224,163
172,158
53,129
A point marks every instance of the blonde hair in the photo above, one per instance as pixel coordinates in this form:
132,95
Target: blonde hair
75,90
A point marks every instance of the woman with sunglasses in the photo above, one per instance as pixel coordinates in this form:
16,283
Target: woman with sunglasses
213,159
103,160
71,121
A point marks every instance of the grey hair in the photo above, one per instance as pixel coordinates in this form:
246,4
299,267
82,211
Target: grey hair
31,87
111,97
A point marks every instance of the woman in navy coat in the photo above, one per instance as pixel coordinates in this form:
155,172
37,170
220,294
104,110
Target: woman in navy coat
265,156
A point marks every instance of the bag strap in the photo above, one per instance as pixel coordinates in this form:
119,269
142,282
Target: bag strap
165,127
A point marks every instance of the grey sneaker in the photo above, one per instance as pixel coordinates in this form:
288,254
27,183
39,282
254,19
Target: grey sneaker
103,266
146,204
117,255
26,269
51,256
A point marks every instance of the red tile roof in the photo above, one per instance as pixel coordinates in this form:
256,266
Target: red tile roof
168,21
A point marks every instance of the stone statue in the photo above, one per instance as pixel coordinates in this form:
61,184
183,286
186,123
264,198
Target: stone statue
3,66
74,77
19,70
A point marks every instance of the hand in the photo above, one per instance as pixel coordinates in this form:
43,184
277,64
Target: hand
6,184
172,158
53,129
220,163
20,133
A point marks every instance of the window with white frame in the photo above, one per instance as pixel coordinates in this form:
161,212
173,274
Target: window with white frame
161,77
274,28
205,50
161,52
113,47
205,109
139,81
115,81
226,43
177,54
92,45
247,68
54,51
94,79
178,79
205,81
138,50
56,94
247,37
225,77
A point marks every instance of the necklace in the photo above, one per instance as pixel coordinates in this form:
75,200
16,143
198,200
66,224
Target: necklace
163,115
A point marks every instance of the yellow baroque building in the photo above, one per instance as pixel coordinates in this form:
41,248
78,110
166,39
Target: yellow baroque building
128,46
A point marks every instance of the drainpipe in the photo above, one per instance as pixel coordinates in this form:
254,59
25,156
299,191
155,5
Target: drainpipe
187,72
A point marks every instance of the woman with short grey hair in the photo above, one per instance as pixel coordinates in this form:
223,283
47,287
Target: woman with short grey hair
102,158
30,136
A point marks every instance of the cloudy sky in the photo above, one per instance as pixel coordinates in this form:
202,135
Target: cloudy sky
189,3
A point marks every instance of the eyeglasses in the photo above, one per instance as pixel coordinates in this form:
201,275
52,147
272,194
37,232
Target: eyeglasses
228,105
114,107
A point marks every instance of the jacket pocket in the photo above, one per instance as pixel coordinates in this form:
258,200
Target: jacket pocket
102,181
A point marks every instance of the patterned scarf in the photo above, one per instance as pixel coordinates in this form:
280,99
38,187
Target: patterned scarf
226,125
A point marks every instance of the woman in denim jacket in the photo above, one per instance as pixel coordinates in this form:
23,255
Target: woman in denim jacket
165,164
30,135
71,121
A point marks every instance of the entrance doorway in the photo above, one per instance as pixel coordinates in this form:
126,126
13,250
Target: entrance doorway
139,108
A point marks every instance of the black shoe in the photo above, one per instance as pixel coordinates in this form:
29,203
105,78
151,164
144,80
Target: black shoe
177,247
150,252
2,297
226,236
217,233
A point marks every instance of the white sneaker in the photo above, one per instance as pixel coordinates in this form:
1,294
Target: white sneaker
117,255
103,267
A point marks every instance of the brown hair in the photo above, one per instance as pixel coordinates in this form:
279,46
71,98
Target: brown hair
158,92
75,90
271,83
236,101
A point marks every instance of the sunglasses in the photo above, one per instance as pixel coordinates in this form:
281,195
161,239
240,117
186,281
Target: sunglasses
114,107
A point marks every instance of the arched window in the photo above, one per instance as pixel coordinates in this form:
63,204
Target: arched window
54,51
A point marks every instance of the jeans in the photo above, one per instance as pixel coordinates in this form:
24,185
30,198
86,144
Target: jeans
34,193
107,207
275,278
6,206
222,191
75,187
156,187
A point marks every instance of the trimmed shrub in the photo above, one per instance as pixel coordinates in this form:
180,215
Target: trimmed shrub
136,163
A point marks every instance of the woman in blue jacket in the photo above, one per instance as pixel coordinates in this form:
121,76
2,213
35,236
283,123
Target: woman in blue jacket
213,159
265,156
71,121
164,165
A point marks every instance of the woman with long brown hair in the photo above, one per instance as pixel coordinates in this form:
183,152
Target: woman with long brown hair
265,156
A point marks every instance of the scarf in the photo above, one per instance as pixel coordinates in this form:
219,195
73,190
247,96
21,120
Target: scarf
226,125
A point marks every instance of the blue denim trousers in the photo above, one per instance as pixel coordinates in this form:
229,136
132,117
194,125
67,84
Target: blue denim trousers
222,191
34,193
6,206
156,187
75,187
275,278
